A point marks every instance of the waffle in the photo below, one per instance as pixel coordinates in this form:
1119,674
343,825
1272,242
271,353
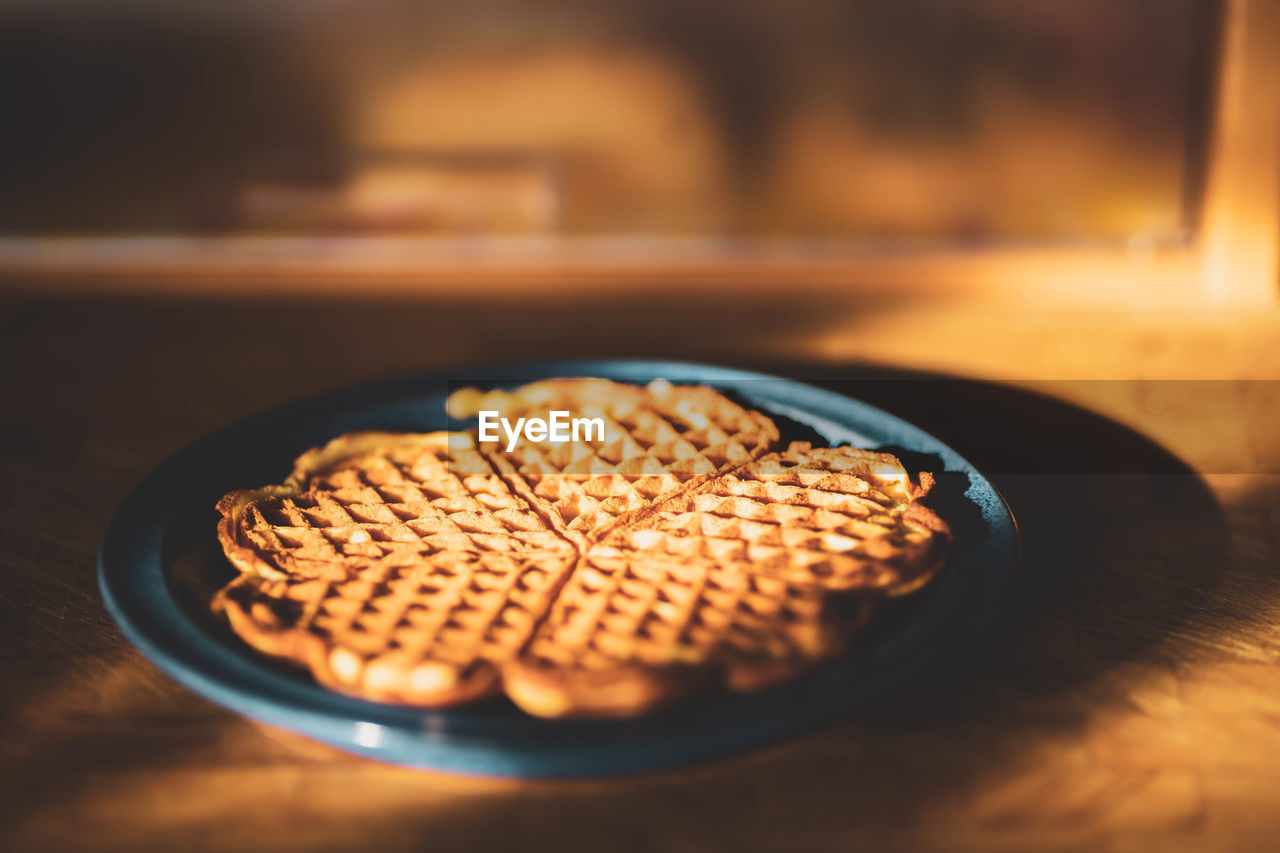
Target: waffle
631,631
399,568
377,497
658,441
838,518
606,578
433,632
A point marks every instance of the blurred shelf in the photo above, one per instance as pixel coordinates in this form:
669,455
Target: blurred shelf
1138,273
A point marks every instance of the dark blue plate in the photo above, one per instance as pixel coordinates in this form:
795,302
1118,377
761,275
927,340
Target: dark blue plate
160,564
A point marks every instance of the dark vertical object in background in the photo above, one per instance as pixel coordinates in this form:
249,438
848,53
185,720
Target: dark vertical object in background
1205,46
738,57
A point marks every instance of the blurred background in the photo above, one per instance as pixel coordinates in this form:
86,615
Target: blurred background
984,155
893,121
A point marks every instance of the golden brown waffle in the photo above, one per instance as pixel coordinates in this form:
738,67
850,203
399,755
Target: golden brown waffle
431,632
838,518
631,631
604,580
657,441
397,567
376,497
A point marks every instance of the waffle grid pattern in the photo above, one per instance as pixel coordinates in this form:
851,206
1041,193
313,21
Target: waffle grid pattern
628,606
656,441
805,516
394,508
421,571
406,632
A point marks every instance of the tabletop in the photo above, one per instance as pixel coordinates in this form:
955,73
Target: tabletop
1127,698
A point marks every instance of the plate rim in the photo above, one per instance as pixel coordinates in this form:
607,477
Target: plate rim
153,621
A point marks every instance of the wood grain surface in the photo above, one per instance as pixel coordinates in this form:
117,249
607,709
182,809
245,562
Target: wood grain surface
1128,698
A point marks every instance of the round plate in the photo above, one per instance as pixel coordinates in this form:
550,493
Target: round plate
160,563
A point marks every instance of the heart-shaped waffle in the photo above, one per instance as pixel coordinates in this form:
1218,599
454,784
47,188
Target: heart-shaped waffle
676,553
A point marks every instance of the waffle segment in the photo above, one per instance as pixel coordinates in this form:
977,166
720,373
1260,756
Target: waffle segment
837,518
376,497
431,633
396,567
658,441
630,632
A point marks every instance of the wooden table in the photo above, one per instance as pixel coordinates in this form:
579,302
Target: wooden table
1128,699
